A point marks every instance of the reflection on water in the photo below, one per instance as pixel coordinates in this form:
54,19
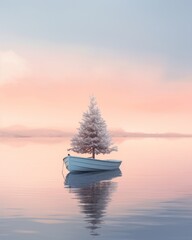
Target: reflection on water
93,190
151,200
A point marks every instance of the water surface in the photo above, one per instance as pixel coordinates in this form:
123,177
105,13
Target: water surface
150,197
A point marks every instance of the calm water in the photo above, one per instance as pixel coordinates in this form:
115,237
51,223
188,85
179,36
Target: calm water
150,197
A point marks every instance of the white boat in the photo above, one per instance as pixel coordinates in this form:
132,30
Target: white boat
80,164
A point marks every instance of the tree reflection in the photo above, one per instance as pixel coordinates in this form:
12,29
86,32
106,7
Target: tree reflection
93,190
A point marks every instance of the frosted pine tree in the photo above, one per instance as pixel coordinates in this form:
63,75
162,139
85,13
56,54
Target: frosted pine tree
92,136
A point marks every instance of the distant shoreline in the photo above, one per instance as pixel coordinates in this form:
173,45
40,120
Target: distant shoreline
153,135
53,133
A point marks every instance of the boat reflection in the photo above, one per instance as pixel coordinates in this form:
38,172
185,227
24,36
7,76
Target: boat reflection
93,190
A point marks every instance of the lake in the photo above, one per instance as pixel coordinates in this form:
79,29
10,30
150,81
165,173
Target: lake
149,198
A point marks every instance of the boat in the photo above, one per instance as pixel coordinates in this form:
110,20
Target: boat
92,138
81,164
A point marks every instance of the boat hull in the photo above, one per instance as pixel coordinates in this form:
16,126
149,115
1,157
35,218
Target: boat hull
80,164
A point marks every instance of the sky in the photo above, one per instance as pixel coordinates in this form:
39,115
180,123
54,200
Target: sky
134,56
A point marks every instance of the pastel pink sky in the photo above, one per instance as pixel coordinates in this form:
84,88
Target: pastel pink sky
51,88
133,56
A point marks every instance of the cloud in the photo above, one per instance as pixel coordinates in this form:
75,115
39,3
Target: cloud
12,66
131,94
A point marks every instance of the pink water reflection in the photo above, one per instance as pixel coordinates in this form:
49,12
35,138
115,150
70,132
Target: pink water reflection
32,184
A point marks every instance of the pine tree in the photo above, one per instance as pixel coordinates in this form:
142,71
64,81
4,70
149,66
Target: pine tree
92,136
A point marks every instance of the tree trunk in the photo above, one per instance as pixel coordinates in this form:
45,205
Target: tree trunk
93,153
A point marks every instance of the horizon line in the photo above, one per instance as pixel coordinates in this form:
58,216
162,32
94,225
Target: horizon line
55,133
